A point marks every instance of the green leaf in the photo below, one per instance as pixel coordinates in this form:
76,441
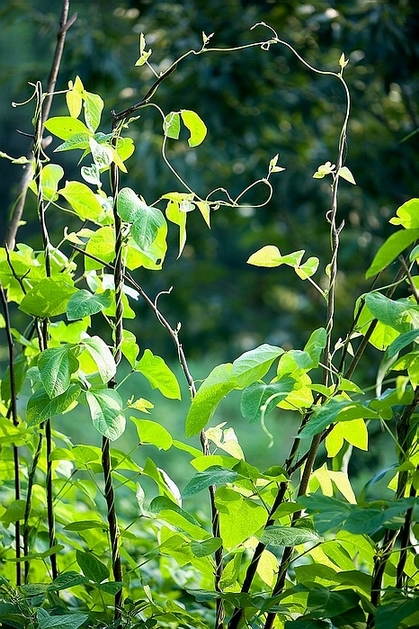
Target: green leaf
178,517
40,407
93,106
315,346
159,375
82,200
66,580
66,126
14,512
55,367
240,517
176,216
346,174
323,602
106,411
408,215
101,355
336,409
325,169
206,547
51,174
212,390
83,303
268,256
288,536
63,621
259,398
171,125
306,270
129,347
401,342
214,475
91,567
146,221
48,298
390,616
391,249
150,432
395,314
254,364
86,525
195,125
76,141
102,154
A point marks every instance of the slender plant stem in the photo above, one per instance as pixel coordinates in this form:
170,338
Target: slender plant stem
13,412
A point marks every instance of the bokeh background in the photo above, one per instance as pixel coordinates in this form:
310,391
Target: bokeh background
255,104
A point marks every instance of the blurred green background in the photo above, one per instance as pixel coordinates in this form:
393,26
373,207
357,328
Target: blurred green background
255,104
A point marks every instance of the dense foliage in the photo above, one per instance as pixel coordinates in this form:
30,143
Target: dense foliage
100,534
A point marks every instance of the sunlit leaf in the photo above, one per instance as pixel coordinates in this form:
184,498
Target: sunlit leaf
106,411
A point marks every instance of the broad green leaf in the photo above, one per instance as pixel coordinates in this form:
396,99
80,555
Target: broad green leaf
91,567
125,148
288,536
146,220
195,125
214,475
66,580
175,515
62,621
83,303
150,432
408,215
259,398
14,512
76,141
212,390
401,342
159,375
206,547
391,249
101,245
267,568
395,314
171,125
101,355
49,297
254,364
40,407
66,126
55,367
354,432
85,525
82,200
336,409
150,258
396,613
268,256
240,517
325,603
106,411
307,269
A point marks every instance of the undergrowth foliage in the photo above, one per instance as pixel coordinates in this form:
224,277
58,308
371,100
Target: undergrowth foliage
82,543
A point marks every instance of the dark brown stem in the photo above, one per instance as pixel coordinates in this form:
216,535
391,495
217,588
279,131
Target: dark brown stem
15,420
28,502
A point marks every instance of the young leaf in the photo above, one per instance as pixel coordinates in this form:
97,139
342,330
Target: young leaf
51,174
206,547
73,97
55,367
106,411
195,125
93,106
83,303
346,174
176,216
212,390
171,125
40,407
129,347
268,256
159,375
325,169
407,215
240,517
91,567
